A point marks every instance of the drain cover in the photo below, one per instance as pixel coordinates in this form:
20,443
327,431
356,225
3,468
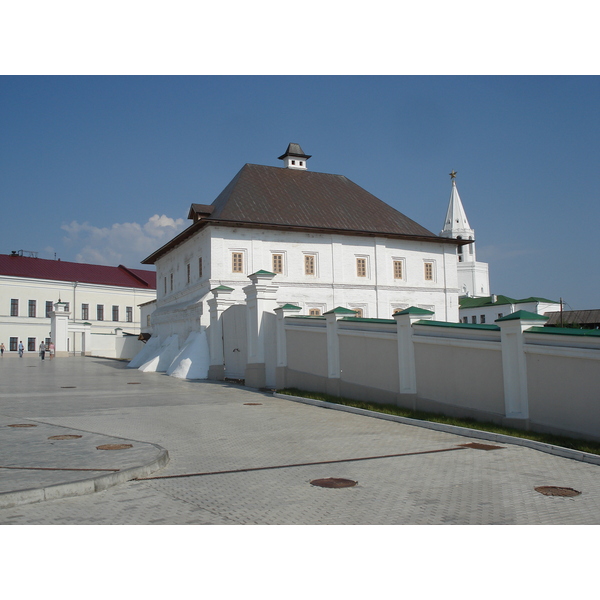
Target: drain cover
479,446
552,490
114,447
133,382
64,437
333,482
22,425
65,387
252,403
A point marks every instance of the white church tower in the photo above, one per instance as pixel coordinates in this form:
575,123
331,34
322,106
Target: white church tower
473,276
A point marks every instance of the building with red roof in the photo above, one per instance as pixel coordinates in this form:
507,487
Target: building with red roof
106,297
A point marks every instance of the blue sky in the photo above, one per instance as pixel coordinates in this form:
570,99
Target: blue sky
103,169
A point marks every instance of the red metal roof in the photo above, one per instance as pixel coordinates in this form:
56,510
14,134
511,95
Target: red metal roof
61,270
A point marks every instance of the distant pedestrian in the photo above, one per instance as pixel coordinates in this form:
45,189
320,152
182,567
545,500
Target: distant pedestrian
42,350
2,350
51,350
21,348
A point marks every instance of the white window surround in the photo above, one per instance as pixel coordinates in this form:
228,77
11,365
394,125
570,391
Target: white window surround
433,269
313,305
402,261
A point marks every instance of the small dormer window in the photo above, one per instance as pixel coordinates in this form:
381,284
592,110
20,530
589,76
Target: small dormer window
301,163
293,162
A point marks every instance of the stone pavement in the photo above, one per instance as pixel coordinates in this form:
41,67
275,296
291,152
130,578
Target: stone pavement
247,457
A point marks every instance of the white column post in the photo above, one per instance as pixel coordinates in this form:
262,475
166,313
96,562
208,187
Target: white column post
219,303
407,369
282,312
260,299
59,328
514,363
333,348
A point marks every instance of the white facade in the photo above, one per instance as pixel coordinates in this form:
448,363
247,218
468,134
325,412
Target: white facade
36,297
336,281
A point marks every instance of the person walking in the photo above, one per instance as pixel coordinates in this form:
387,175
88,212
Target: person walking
2,350
42,350
51,350
21,348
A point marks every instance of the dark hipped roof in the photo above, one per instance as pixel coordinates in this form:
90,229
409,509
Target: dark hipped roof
61,270
280,198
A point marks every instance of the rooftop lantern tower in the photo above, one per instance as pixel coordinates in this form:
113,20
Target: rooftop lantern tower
294,157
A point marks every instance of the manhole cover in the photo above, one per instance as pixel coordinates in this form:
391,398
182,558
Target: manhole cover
552,490
64,437
333,482
22,425
114,447
252,403
479,446
66,387
133,382
31,366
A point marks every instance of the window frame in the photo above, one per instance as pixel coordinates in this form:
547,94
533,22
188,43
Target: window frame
398,262
115,313
32,308
14,307
310,260
275,258
129,314
49,308
85,312
13,344
31,344
237,261
99,312
429,270
362,267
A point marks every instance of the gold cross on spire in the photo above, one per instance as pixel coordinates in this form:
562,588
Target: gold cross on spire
453,174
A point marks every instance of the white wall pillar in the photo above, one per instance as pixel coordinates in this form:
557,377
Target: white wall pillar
514,364
281,313
218,304
59,328
333,348
260,300
407,370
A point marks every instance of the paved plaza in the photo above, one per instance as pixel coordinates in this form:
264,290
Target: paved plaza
239,456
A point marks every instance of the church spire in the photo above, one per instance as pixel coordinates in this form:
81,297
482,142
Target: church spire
456,224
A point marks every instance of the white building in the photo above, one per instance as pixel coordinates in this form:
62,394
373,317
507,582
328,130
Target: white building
328,242
105,297
489,308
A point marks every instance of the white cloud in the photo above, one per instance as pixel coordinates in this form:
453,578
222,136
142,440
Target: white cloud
122,243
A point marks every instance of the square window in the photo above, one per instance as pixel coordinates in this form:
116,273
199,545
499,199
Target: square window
398,270
314,312
428,271
237,262
361,267
500,315
277,266
14,308
309,264
32,308
358,312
